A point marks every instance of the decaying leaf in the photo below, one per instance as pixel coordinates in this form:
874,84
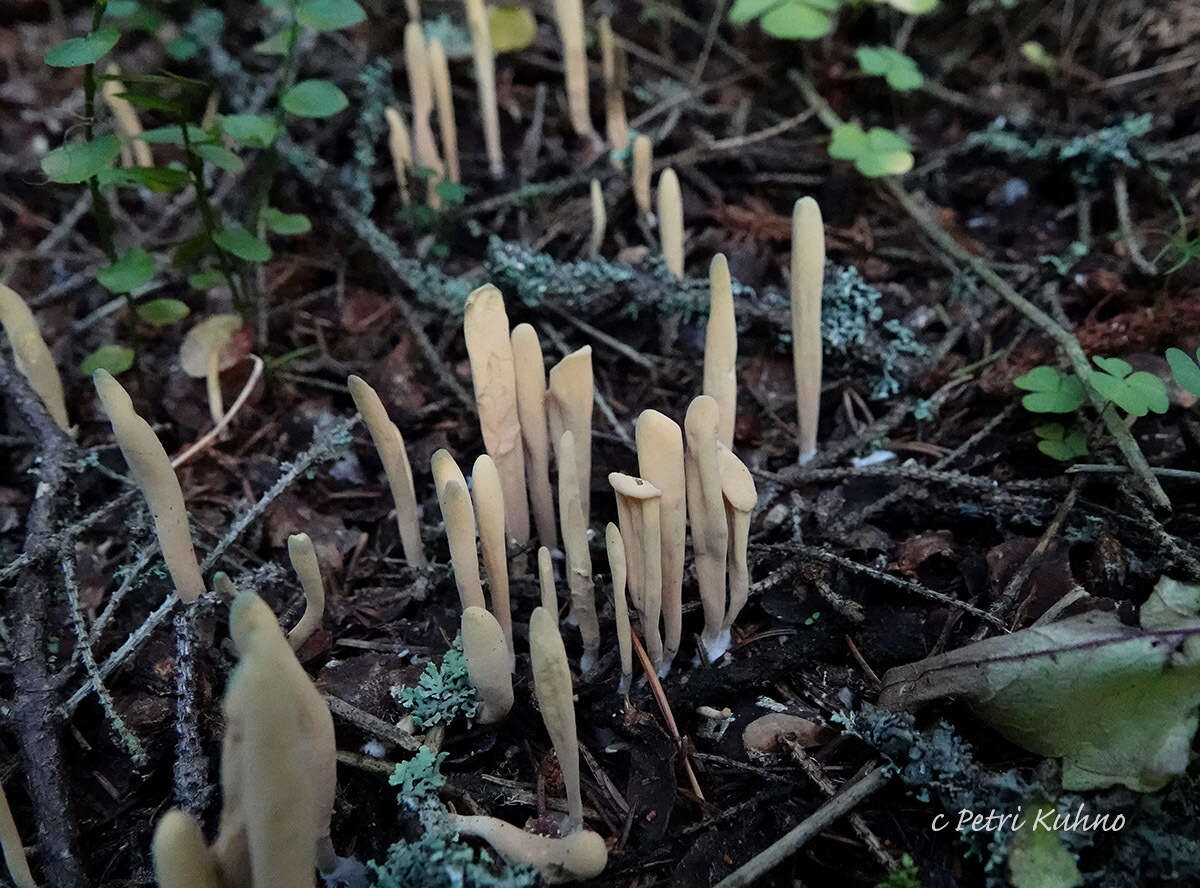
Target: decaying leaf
1118,703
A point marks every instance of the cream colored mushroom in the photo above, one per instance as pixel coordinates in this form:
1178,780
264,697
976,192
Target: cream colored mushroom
737,488
660,461
439,70
670,221
613,64
808,275
638,509
460,534
489,515
400,147
599,219
556,699
615,547
546,585
181,857
569,407
31,354
581,855
706,513
485,79
485,326
151,469
579,559
203,354
720,349
443,468
488,664
14,851
568,14
643,159
389,444
425,151
530,374
304,562
127,123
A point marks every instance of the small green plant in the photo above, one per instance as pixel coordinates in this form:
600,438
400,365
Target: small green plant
904,876
875,152
1062,443
899,70
1050,391
787,19
1185,370
443,693
1137,393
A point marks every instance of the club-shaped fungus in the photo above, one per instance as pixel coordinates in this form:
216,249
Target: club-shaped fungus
573,858
460,534
530,372
579,558
489,516
643,159
706,514
134,150
638,508
546,586
488,664
720,349
10,844
443,468
569,16
31,354
660,461
599,219
151,469
204,353
425,151
400,147
555,696
808,275
182,859
439,70
569,407
612,60
303,556
485,327
737,487
615,546
278,760
670,221
389,444
485,79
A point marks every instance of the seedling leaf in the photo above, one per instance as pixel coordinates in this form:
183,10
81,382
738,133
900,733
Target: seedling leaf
128,273
80,51
314,98
1185,370
77,162
162,312
1050,391
241,243
116,359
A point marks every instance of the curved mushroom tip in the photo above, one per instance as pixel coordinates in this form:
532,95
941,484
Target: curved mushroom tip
181,856
249,615
223,586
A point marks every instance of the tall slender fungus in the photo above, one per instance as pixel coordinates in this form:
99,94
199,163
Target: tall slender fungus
125,116
670,221
706,513
459,518
613,64
32,355
808,275
303,556
555,696
530,372
489,515
643,158
660,461
546,586
182,858
389,444
485,326
638,509
569,16
486,653
425,151
737,488
579,559
400,147
581,855
439,70
720,349
14,851
152,471
569,406
485,80
615,547
599,218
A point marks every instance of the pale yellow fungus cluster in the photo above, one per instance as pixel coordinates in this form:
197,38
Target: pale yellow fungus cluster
32,355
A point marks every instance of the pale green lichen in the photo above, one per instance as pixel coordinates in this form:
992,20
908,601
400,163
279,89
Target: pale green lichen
1087,156
375,82
443,693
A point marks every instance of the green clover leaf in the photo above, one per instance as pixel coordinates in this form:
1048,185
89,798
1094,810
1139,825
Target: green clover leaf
1136,393
900,71
1060,443
878,152
788,19
1185,370
1050,391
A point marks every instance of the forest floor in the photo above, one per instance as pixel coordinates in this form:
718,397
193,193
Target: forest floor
858,565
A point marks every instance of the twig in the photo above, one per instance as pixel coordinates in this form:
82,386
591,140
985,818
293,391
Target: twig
1061,336
1102,469
843,803
226,418
660,697
1125,220
368,723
